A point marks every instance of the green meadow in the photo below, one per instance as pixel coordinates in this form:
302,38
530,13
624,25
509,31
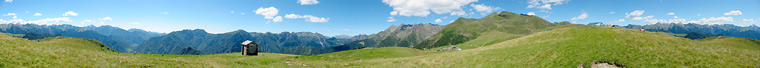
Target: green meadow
561,47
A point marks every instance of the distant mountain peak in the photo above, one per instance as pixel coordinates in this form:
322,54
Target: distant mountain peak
191,31
238,31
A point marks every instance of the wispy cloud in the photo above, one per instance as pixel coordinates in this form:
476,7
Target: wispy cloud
70,13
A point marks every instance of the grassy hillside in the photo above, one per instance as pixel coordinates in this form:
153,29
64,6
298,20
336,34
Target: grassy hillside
367,53
507,23
14,35
570,47
118,39
739,43
76,52
565,47
404,35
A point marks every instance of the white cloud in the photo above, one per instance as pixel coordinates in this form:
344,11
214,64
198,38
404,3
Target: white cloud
735,12
10,14
619,20
12,21
612,12
164,13
544,11
748,20
654,21
41,21
531,13
641,18
308,18
346,30
545,4
70,13
46,20
242,13
106,19
394,13
37,14
391,19
671,13
713,20
277,19
422,8
458,13
438,21
232,11
14,17
580,17
483,9
8,0
308,2
268,13
136,23
675,16
89,20
634,14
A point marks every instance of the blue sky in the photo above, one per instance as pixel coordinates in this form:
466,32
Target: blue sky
352,17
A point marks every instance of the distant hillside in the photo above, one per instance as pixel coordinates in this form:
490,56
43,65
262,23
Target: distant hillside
695,35
119,41
198,39
346,39
404,35
133,36
9,43
37,36
466,29
723,29
301,43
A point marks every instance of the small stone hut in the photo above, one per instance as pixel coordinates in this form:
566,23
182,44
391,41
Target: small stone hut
452,48
249,48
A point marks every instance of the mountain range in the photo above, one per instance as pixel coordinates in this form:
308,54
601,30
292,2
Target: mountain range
199,39
404,35
690,28
300,43
118,39
505,25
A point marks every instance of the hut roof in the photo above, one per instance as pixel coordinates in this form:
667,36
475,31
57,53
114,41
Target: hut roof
247,42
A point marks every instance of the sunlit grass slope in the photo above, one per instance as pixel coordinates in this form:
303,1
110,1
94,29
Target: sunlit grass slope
368,53
76,52
570,47
564,47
